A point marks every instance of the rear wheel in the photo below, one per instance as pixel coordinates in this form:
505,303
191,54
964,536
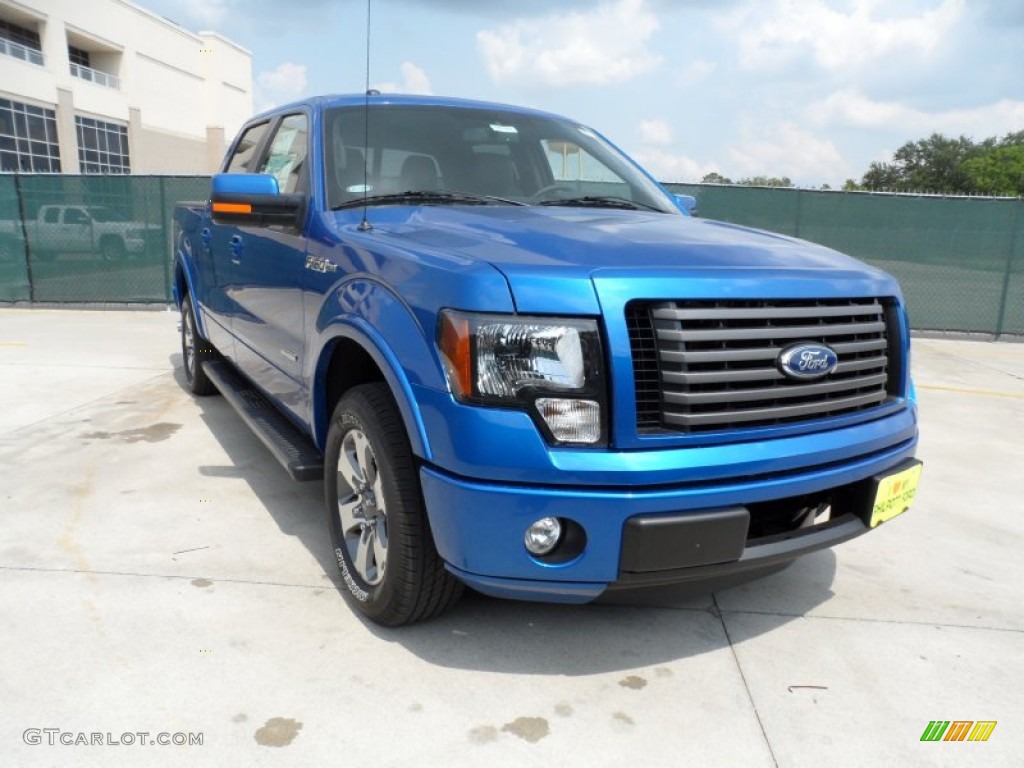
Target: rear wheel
195,350
378,524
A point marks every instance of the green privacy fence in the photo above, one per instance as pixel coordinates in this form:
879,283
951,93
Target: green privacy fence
106,239
75,239
960,261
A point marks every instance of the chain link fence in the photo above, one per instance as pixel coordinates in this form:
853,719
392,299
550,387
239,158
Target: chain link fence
86,239
106,239
959,260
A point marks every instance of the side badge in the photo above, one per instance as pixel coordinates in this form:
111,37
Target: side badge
317,264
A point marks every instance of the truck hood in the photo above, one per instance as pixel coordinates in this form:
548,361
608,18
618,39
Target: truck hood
555,258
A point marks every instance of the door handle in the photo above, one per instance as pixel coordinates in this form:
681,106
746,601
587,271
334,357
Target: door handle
206,237
235,246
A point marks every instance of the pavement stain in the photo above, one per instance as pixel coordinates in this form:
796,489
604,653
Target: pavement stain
68,540
241,717
154,433
278,732
564,710
201,583
531,729
633,681
483,734
622,717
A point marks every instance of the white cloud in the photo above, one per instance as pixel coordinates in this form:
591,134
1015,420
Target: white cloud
867,32
285,83
414,80
605,45
788,150
852,108
668,166
656,132
695,72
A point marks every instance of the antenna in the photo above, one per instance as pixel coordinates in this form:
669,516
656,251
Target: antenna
365,225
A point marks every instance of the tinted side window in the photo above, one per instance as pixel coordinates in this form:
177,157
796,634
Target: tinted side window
52,215
245,150
286,159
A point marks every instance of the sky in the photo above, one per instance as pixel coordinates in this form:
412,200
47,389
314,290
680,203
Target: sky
810,89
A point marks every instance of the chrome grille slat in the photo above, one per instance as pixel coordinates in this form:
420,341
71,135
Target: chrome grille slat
770,393
791,332
714,417
761,353
787,313
761,374
705,365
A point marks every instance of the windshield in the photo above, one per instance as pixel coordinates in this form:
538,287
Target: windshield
498,156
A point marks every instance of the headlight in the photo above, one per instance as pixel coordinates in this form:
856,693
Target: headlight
552,366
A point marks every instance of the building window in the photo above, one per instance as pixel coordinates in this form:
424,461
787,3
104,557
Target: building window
28,138
78,56
20,42
102,146
21,35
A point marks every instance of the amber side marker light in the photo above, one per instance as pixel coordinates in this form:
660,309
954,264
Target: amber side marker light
454,344
232,208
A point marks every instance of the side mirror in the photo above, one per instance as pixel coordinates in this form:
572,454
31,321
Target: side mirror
253,199
687,204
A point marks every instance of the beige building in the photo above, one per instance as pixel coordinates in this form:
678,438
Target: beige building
106,86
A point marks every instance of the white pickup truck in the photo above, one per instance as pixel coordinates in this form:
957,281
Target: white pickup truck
81,228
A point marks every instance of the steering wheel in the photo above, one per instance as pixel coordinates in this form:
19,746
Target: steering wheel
552,188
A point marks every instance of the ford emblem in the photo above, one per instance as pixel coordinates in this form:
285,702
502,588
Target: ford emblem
807,361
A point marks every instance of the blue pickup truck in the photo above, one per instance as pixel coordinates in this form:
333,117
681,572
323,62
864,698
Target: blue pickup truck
517,364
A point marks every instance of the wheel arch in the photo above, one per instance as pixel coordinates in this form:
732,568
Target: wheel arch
352,354
184,284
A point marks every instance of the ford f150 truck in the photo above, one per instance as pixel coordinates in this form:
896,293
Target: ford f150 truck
536,377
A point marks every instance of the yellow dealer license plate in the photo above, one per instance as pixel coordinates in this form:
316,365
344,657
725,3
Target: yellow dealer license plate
894,494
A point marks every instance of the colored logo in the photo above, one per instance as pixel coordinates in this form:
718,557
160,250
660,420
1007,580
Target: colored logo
807,361
958,730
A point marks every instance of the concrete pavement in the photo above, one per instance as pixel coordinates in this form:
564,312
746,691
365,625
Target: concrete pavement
160,573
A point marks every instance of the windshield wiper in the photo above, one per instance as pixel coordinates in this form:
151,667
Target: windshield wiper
428,196
601,201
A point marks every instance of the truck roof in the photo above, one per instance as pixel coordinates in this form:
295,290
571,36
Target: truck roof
358,99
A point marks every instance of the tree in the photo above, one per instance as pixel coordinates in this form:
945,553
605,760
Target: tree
934,164
766,181
943,165
884,177
715,178
998,172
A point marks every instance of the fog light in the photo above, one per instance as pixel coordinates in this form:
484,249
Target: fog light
543,536
570,420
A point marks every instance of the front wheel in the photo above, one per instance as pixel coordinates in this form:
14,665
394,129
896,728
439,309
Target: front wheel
376,517
112,249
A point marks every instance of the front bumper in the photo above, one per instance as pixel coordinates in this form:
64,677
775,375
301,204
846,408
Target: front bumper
695,532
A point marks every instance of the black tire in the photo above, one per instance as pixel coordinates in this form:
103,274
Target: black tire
112,249
195,350
367,440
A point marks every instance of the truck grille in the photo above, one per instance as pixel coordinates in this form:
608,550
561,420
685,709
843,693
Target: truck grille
701,366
